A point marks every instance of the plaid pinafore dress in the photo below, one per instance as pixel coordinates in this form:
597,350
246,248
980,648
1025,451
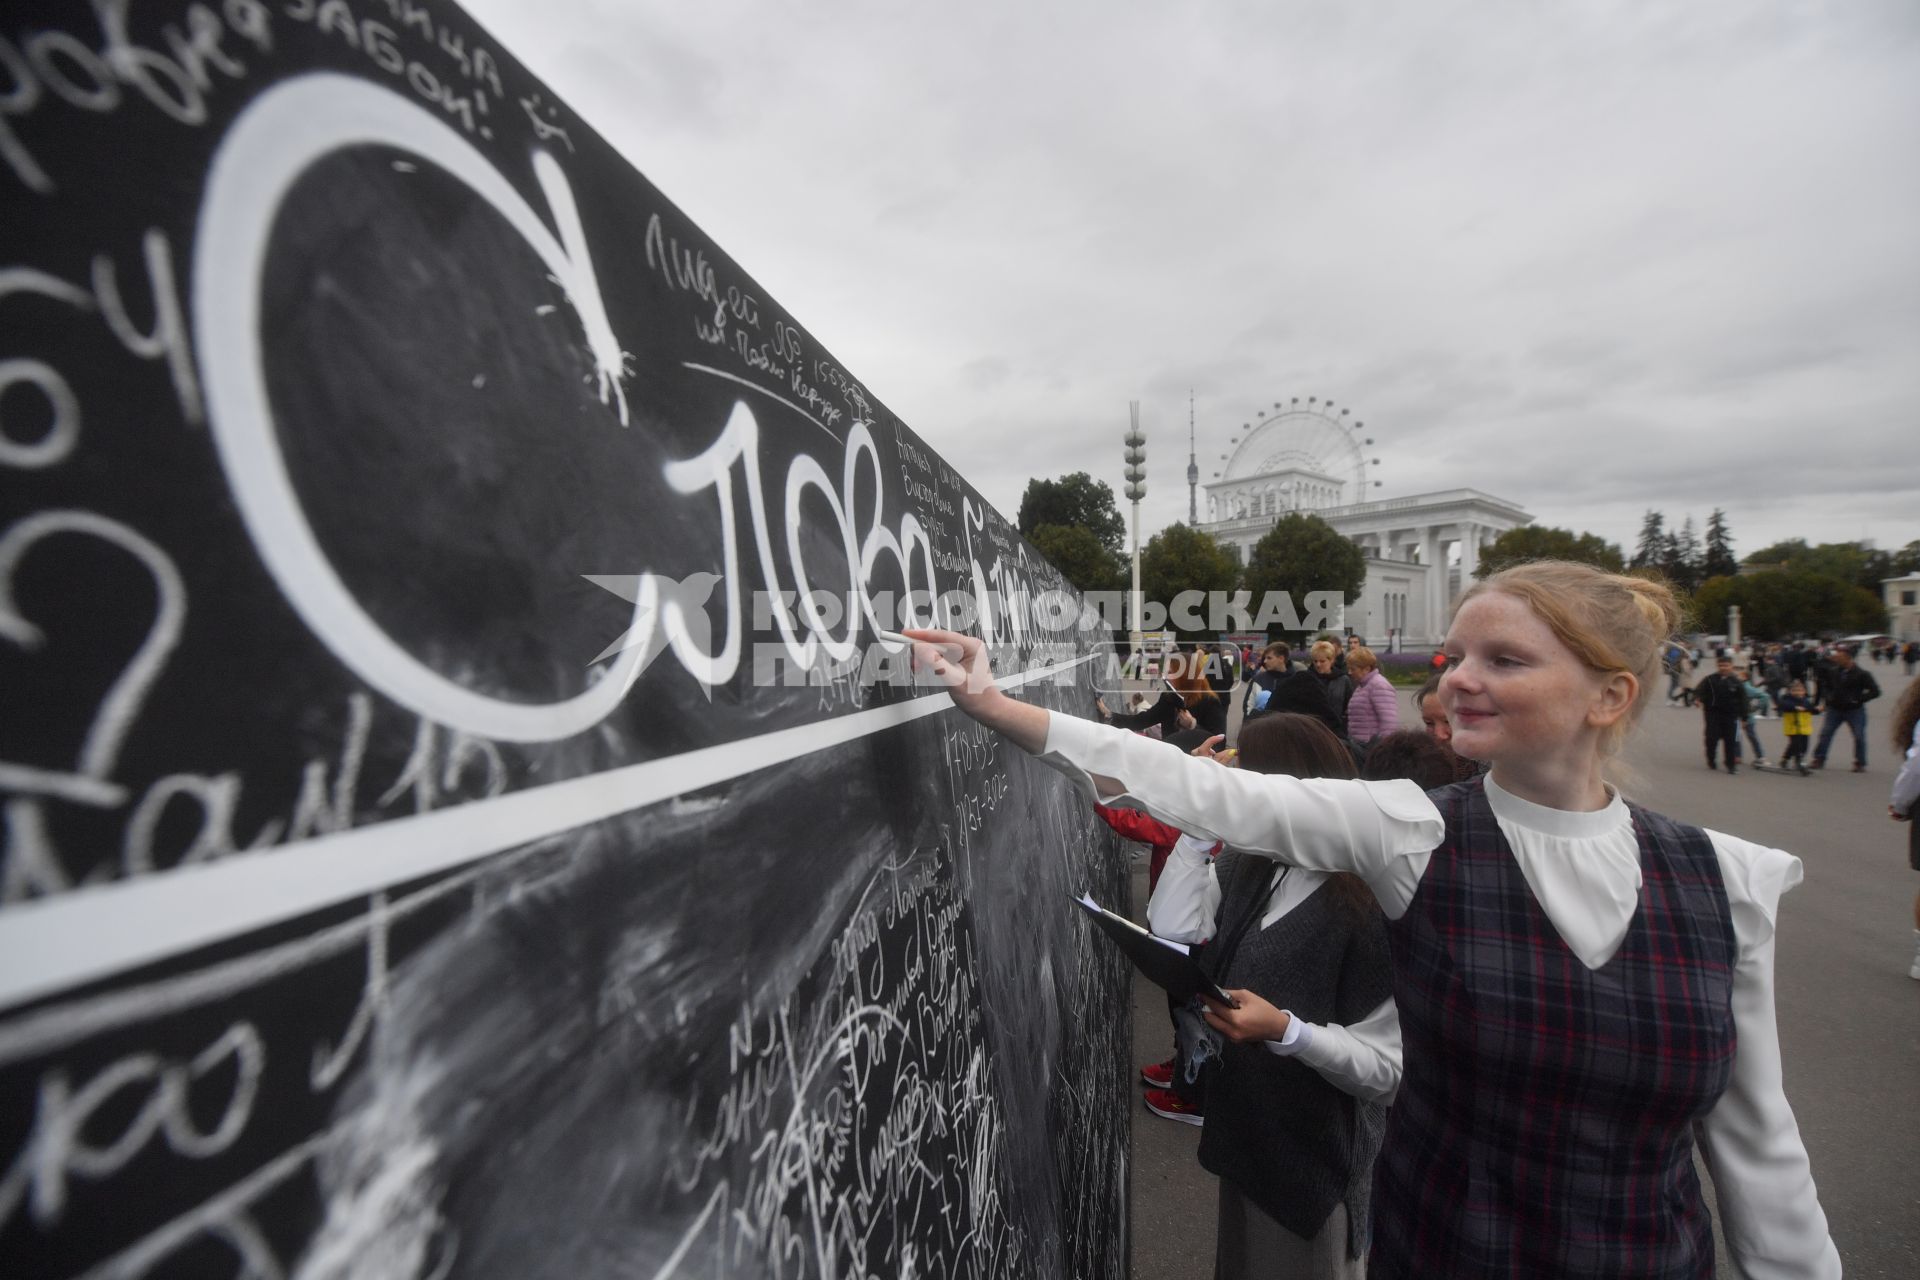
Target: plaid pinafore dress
1543,1126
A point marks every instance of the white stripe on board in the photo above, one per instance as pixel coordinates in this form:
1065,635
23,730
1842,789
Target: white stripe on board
50,944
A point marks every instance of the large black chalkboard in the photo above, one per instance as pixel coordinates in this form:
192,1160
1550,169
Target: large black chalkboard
367,908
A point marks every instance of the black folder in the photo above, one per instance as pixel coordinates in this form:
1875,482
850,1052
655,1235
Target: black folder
1167,963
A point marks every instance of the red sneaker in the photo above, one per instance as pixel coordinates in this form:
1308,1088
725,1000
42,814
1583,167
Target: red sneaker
1158,1074
1168,1104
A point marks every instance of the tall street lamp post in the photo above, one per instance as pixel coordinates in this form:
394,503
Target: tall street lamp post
1136,490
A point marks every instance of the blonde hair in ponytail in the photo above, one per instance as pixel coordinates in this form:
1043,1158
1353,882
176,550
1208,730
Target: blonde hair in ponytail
1610,621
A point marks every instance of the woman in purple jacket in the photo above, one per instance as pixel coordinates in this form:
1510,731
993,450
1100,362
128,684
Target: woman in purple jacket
1372,710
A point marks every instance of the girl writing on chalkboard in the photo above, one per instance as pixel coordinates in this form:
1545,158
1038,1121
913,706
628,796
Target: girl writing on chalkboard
1582,984
1298,1075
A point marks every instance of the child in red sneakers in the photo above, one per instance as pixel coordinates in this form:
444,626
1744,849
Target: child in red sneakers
1159,838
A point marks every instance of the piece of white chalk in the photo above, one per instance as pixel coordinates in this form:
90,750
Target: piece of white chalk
893,637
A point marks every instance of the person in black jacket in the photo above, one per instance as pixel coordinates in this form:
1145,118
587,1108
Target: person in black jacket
1189,702
1798,662
1846,694
1164,714
1723,701
1273,666
1205,708
1337,684
1225,669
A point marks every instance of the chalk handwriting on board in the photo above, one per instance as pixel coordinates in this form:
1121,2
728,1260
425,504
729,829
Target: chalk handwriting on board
176,82
278,136
838,1111
65,1141
121,703
276,139
166,340
362,930
32,865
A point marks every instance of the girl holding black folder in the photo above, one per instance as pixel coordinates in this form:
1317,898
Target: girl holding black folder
1296,1094
1583,985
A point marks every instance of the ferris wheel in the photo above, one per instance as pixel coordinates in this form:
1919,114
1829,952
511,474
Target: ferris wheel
1316,451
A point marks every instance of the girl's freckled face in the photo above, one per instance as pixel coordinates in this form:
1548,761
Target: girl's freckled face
1511,688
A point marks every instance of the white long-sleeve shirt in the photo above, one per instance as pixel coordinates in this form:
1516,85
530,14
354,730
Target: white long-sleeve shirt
1361,1058
1906,784
1584,870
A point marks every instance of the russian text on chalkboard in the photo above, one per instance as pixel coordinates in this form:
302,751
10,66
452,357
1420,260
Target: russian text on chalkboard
457,818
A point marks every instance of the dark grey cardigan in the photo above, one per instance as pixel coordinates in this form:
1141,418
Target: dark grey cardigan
1290,1141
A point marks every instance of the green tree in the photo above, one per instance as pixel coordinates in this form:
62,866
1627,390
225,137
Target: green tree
1303,553
1074,500
1652,547
1538,542
1079,557
1180,558
1877,568
1854,562
1791,602
1719,561
1906,560
1779,552
1681,563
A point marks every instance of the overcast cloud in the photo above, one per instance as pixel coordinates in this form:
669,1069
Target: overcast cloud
1590,258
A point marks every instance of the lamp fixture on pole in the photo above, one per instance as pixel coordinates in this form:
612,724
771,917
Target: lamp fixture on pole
1136,473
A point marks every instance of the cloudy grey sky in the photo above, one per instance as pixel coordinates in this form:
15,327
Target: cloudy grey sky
1588,257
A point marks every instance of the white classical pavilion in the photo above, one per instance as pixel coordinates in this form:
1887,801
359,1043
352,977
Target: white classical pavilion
1420,549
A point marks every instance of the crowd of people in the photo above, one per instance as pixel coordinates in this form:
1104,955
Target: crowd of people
1794,682
1341,686
1480,1006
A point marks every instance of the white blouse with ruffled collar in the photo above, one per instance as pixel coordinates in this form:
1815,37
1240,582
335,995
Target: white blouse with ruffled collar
1583,869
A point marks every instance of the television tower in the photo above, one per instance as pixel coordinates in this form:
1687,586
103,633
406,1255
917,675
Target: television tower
1193,469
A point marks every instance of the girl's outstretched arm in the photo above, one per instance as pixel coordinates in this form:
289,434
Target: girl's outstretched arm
960,663
1371,828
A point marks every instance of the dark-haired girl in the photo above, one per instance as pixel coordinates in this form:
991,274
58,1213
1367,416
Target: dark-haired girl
1295,1103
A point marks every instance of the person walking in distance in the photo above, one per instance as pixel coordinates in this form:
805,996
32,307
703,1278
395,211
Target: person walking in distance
1798,662
1846,692
1584,986
1723,705
1684,664
1758,702
1774,673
